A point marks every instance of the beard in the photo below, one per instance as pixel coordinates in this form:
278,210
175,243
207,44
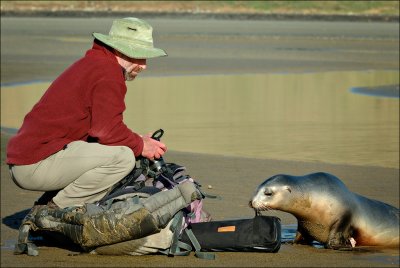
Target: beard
128,76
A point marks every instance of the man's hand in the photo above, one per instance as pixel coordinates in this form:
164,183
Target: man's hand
152,149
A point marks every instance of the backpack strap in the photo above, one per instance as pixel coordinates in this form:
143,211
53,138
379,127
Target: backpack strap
198,253
179,248
209,195
23,244
128,180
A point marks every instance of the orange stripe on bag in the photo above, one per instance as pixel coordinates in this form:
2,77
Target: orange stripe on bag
226,229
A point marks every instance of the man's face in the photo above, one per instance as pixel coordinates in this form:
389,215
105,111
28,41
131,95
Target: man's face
131,66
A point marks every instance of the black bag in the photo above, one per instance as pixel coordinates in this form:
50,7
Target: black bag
260,234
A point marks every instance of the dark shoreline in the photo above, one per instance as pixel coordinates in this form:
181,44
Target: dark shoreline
191,15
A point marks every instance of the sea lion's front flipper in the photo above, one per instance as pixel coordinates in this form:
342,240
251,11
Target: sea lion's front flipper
340,234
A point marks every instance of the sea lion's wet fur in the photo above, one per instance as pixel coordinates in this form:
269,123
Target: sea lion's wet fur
328,212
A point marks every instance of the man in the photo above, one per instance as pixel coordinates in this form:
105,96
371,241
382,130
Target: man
74,139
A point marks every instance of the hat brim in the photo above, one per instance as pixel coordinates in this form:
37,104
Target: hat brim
130,49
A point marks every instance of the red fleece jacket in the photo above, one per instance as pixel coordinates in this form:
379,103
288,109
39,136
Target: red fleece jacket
86,100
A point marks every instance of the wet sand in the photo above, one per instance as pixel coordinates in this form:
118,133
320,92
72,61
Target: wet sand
232,178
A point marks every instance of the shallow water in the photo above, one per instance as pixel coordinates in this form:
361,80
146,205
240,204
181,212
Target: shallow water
301,116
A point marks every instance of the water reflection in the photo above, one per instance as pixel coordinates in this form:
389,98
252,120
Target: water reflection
307,117
288,233
387,91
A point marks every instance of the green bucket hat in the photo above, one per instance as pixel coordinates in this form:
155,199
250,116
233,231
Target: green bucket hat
132,37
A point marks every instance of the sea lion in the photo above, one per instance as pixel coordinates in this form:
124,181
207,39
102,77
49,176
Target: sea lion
328,212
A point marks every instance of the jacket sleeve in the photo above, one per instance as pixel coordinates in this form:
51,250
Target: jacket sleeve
107,126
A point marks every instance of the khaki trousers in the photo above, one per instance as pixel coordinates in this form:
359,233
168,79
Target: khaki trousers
83,171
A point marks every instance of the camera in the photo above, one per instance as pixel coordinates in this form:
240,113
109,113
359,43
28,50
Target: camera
156,166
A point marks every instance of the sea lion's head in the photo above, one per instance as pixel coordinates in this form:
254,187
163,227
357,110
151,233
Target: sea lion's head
274,193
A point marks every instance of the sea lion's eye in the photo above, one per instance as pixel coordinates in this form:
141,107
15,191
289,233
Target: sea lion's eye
268,192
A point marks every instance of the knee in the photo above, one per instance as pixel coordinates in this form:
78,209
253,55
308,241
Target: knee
125,158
